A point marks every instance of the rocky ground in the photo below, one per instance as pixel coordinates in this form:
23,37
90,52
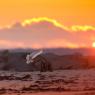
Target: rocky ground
65,82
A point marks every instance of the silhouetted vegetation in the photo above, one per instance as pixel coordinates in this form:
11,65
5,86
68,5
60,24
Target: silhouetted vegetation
5,59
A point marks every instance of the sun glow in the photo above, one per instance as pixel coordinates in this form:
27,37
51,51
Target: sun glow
93,44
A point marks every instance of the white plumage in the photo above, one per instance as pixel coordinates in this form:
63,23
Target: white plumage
31,56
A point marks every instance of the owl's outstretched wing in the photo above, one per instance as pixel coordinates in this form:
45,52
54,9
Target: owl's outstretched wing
37,53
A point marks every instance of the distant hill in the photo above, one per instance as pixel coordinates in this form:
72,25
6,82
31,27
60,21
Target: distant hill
68,51
59,51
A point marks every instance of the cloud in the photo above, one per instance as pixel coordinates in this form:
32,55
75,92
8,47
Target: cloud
85,28
10,44
45,33
58,43
37,20
75,28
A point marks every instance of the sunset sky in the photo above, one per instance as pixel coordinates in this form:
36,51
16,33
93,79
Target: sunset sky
47,23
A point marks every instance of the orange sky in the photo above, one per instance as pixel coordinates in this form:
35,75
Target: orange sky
70,22
68,12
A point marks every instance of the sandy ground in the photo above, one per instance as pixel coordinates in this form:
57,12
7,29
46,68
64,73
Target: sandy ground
53,93
61,82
